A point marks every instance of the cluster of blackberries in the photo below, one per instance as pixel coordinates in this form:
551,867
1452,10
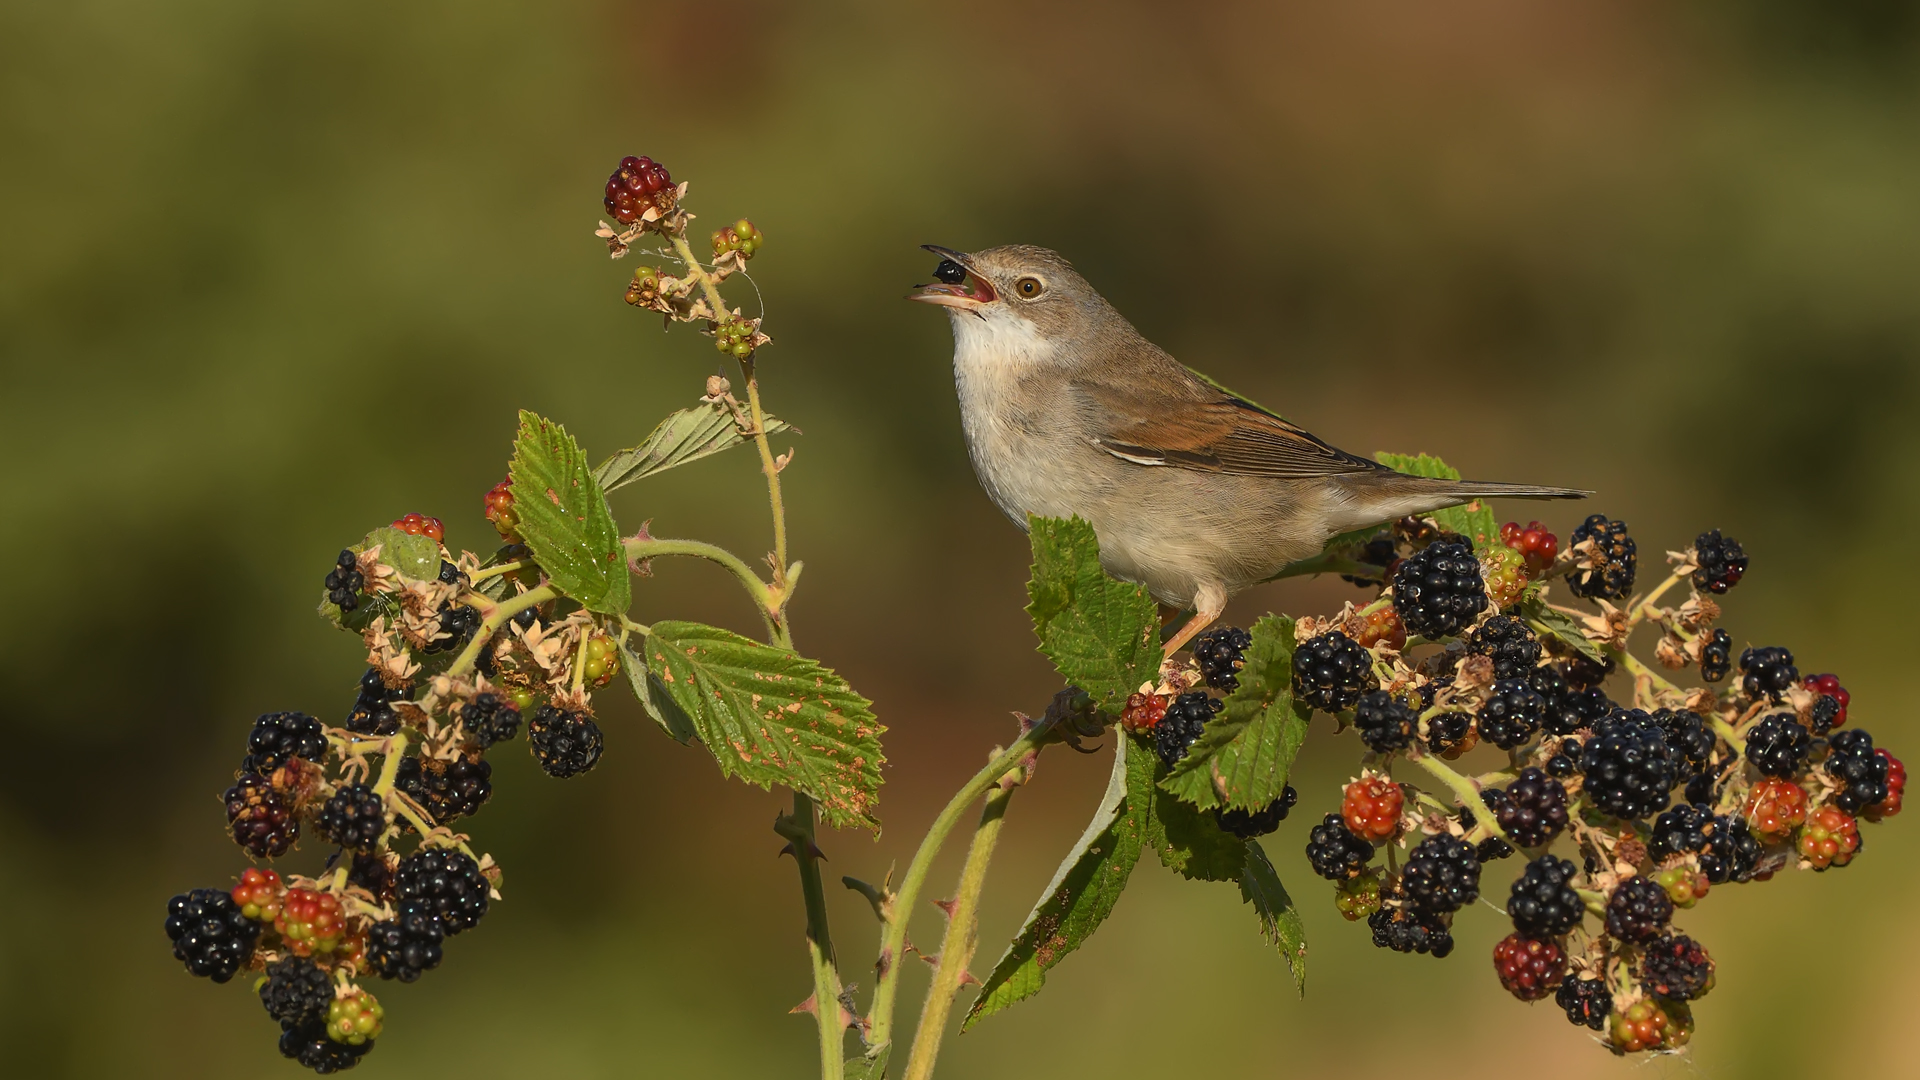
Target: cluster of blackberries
1608,573
345,581
1719,562
1385,722
1439,591
448,789
489,718
639,184
1331,671
741,236
1723,845
1629,768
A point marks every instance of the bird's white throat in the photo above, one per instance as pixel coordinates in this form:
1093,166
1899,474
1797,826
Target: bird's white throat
994,342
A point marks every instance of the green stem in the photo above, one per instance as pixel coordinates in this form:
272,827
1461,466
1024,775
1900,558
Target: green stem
486,572
893,936
1642,671
642,548
962,938
580,659
1725,731
1640,609
1596,902
504,610
390,768
1468,793
770,466
798,828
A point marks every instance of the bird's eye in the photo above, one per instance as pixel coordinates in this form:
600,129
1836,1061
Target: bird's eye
1029,287
950,272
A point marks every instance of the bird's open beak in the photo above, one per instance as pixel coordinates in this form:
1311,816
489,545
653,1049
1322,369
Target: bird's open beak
969,294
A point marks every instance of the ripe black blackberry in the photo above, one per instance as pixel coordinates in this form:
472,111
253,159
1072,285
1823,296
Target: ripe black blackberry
1861,772
489,718
278,738
1716,656
210,934
1563,764
1448,730
1724,845
345,581
1777,745
259,817
296,991
1492,849
1676,967
1406,931
1638,909
1219,652
1331,671
458,623
372,872
1584,672
1610,570
354,818
1442,874
1825,712
1768,670
1587,1002
449,573
1687,736
1511,713
1438,590
569,743
450,884
373,710
310,1045
1376,555
1247,824
1720,562
1629,769
1543,904
1532,809
1383,721
406,945
1509,643
447,789
1335,852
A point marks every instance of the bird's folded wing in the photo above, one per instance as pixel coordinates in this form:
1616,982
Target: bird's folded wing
1224,435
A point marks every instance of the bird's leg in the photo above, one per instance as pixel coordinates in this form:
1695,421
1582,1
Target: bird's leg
1209,602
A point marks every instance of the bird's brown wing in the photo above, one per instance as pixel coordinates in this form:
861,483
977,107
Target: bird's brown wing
1225,435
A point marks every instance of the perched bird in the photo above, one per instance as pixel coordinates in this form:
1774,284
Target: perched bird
1193,492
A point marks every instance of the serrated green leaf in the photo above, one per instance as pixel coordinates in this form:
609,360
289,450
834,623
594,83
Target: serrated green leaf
1475,520
1280,921
563,517
1558,624
687,435
1082,892
1188,841
655,699
1100,633
1242,758
770,716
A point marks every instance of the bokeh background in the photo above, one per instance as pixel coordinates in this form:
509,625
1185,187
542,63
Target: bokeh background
274,274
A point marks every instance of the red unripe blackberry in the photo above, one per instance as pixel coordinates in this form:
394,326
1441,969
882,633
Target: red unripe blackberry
1720,562
1539,546
354,1018
1775,808
1186,716
1143,711
259,817
489,718
1643,1025
1716,656
210,934
1829,688
1629,768
1896,788
1442,874
1383,721
450,884
421,525
1438,590
354,818
1509,643
1613,564
406,945
569,743
1529,969
1512,712
344,582
1371,808
278,738
637,186
309,1045
1331,671
1543,904
296,991
258,894
311,922
1587,1002
1334,852
499,510
1382,627
1638,909
1408,931
1677,968
1220,652
1247,824
1830,837
447,789
1860,771
1532,809
1767,671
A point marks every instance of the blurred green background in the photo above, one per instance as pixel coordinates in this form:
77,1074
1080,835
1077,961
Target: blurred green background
273,274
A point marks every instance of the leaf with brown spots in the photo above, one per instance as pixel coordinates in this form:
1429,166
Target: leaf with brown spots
770,716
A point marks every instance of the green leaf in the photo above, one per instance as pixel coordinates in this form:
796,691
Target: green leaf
861,1067
1475,521
1280,921
1082,892
655,699
770,716
687,435
1546,620
1188,841
564,517
417,557
1243,756
1101,634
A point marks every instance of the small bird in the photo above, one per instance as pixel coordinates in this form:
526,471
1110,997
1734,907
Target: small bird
1193,492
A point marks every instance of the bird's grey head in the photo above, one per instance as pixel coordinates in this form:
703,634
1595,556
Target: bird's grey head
1017,301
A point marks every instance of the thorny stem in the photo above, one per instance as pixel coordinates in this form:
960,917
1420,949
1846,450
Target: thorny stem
1468,793
893,936
494,620
798,828
963,936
